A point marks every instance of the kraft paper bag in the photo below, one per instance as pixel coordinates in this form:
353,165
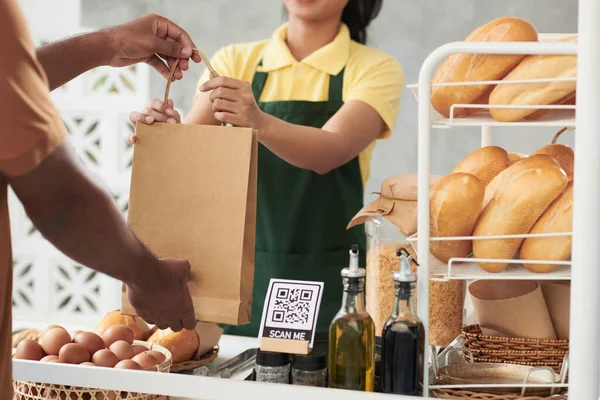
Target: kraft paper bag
511,309
558,299
193,196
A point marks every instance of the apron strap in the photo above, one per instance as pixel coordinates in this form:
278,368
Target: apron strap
258,81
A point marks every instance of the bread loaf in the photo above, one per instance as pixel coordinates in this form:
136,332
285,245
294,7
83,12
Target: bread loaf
485,163
563,154
536,93
514,209
137,325
557,218
510,173
183,345
570,99
479,67
455,205
514,157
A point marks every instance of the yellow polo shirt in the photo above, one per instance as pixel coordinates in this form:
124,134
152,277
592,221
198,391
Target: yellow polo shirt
371,76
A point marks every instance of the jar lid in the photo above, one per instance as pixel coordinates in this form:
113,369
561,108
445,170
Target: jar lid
271,359
310,362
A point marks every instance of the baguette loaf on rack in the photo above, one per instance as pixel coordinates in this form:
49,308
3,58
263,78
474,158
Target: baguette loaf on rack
485,163
455,205
512,172
557,218
570,100
563,154
479,67
514,209
514,157
535,93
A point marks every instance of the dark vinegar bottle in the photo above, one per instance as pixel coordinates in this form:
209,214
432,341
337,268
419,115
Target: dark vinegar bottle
403,338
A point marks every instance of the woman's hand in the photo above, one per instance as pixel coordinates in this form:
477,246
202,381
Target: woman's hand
233,102
154,111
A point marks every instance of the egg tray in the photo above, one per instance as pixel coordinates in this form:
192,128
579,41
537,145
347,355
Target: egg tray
43,391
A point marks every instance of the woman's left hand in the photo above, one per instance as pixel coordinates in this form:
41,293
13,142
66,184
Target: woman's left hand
233,102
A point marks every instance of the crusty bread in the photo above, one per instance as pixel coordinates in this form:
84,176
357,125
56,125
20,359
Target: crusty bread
510,173
563,154
183,345
479,67
514,209
536,93
485,163
136,324
455,205
557,218
570,99
514,157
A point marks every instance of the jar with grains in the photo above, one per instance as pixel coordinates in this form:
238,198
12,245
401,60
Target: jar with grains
272,367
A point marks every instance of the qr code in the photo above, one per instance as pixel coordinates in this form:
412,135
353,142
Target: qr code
292,305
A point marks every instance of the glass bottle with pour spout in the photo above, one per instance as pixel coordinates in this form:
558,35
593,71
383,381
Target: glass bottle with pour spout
352,334
403,341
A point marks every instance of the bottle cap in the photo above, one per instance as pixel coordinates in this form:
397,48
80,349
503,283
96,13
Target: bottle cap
405,272
310,362
271,359
353,270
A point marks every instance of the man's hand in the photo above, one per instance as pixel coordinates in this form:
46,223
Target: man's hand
147,38
164,299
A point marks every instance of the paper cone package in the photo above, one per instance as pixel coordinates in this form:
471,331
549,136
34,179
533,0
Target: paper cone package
558,299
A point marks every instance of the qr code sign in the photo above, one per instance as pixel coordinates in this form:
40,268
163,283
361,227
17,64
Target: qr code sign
292,305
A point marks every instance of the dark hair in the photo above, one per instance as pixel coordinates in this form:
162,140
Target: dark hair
358,14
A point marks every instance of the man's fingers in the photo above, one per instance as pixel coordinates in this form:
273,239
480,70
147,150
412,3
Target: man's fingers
135,117
189,322
176,325
158,64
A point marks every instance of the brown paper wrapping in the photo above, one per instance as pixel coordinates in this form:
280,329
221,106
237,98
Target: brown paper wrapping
557,295
511,309
208,337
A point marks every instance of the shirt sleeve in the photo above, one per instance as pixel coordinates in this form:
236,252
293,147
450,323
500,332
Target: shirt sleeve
378,83
31,127
223,61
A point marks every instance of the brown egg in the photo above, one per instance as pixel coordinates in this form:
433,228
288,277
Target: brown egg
90,341
160,357
127,364
89,364
50,359
117,332
73,353
122,350
75,333
105,358
137,349
145,360
53,340
46,329
29,349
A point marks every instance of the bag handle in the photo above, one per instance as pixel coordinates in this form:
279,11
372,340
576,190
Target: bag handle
211,70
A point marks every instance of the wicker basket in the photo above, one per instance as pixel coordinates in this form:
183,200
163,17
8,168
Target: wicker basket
44,391
452,394
200,361
522,351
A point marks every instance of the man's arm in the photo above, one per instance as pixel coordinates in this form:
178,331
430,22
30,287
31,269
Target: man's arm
149,39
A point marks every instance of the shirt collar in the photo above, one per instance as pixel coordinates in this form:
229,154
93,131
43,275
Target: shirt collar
330,58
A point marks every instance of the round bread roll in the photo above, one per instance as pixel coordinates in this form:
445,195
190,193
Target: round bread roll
514,209
514,157
485,163
183,345
137,325
557,218
563,154
479,67
455,205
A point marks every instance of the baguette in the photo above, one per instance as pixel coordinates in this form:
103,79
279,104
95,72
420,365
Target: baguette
136,324
536,93
514,210
183,345
570,99
485,163
455,205
563,154
510,173
479,67
514,157
557,218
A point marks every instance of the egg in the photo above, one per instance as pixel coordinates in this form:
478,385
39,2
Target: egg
46,329
127,364
29,349
50,359
137,349
160,357
75,333
117,332
53,340
122,350
145,360
73,353
105,358
89,364
90,341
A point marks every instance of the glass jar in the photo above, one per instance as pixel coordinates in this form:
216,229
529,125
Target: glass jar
310,370
272,367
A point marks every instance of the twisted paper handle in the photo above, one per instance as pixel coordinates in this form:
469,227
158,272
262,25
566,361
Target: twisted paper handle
211,70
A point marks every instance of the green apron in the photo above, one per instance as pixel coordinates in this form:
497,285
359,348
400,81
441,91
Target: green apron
301,215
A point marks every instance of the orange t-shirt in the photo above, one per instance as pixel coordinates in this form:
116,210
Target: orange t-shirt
30,130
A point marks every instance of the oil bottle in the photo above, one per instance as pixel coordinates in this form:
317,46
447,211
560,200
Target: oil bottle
403,338
352,334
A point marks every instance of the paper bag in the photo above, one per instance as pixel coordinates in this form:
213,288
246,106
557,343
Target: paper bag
511,309
558,299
